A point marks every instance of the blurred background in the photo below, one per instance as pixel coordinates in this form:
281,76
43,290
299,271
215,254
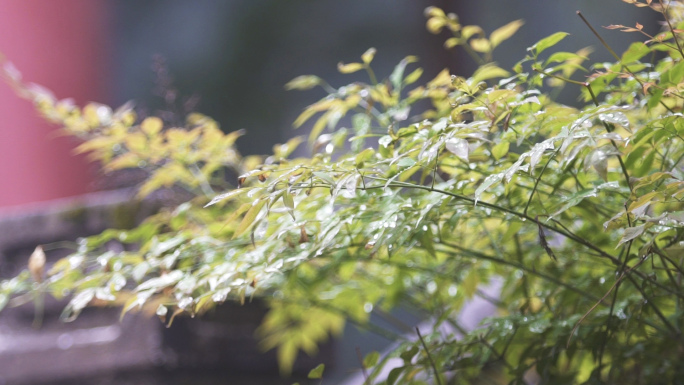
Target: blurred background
228,59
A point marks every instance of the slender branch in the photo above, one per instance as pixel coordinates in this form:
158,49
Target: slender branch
669,25
501,356
438,378
607,127
536,182
475,254
583,84
616,57
615,285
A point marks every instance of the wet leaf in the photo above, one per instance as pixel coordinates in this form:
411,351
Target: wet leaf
326,177
631,233
228,195
458,147
385,140
249,217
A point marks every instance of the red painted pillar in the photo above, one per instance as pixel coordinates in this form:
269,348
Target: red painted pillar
62,45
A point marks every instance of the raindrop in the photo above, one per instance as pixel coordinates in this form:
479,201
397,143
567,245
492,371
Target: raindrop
185,303
539,326
65,341
368,307
118,265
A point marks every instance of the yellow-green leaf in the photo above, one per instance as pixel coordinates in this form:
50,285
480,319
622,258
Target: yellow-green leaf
451,42
289,203
249,217
368,56
547,42
500,150
136,141
317,372
471,30
151,125
228,195
303,82
349,68
636,51
488,71
505,32
435,24
127,160
481,45
413,76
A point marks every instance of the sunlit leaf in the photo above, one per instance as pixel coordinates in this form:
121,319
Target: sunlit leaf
368,56
303,82
489,71
547,42
503,33
349,68
635,52
481,45
152,125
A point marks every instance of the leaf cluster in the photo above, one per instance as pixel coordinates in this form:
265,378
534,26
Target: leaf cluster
433,192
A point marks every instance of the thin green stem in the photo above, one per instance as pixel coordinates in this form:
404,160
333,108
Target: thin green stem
583,84
536,182
438,378
475,254
371,74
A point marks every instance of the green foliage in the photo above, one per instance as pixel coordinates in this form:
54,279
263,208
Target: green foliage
431,192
